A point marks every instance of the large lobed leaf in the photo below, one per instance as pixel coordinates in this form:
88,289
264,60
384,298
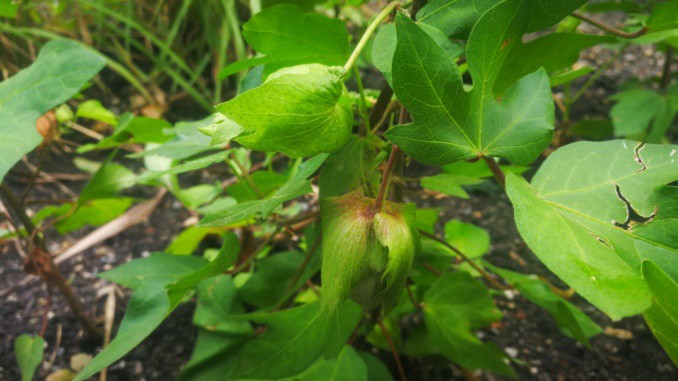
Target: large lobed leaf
297,111
451,124
594,211
63,67
457,17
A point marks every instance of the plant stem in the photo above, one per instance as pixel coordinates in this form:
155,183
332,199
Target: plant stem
468,260
377,115
43,265
18,208
496,171
396,357
607,28
385,178
368,33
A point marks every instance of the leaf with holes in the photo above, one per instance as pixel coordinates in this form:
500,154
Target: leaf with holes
594,211
451,124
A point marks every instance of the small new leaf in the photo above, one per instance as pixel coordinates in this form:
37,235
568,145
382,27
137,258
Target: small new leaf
29,351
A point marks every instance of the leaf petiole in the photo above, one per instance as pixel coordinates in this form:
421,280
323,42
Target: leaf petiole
368,33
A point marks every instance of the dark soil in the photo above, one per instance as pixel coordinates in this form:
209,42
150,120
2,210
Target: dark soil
527,332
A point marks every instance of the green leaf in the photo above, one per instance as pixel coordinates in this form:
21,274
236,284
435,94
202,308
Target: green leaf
454,305
468,238
592,129
107,182
94,213
296,186
594,211
217,304
351,167
376,370
8,8
457,17
188,139
644,114
271,281
63,67
449,184
449,123
93,109
188,240
571,321
385,43
662,316
525,58
159,283
186,166
664,16
290,37
133,129
222,130
348,366
29,351
297,111
266,182
207,362
221,333
295,339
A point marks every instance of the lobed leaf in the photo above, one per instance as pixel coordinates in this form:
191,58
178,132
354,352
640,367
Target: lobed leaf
451,124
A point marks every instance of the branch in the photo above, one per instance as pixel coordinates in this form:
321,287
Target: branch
463,256
609,29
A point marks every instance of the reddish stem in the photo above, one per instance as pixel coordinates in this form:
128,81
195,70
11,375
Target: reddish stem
496,171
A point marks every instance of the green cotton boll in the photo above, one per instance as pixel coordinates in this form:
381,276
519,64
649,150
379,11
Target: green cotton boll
297,111
366,256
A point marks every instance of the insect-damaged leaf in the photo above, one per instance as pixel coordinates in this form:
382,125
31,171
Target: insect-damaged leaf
297,111
451,124
594,211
